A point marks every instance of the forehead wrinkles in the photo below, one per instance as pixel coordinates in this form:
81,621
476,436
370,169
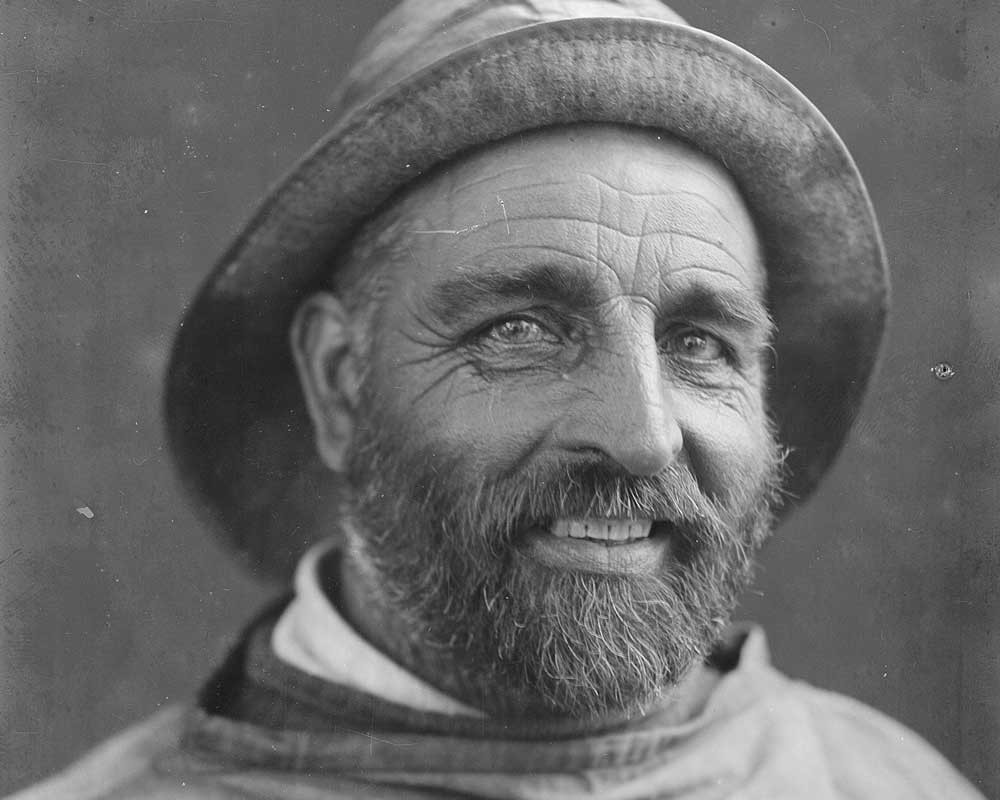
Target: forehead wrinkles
636,206
669,227
700,208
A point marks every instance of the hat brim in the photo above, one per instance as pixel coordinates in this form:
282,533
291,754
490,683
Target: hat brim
237,424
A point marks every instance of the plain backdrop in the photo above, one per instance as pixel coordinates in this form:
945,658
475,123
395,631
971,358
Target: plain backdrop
137,136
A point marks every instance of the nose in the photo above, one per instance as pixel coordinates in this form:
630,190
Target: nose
625,412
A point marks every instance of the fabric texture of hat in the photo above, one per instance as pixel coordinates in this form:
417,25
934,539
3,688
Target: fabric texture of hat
438,77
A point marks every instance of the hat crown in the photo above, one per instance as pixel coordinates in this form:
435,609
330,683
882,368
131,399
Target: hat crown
418,33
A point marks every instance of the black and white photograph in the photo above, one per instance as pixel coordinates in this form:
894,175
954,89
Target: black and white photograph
500,399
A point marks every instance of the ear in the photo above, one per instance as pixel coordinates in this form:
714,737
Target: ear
326,359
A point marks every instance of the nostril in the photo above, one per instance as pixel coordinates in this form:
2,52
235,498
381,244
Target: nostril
641,454
590,453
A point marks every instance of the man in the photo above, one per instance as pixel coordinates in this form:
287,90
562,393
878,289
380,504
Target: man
522,357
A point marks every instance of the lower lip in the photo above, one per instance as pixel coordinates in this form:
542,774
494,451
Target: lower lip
640,557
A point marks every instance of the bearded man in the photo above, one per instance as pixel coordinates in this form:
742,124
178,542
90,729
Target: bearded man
579,301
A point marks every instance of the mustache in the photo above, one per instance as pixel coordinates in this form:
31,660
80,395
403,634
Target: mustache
540,495
478,516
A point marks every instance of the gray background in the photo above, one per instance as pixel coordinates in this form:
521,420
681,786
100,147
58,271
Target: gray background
137,137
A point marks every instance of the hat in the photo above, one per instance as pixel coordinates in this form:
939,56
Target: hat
438,77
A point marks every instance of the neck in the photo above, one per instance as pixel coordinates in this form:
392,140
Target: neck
361,604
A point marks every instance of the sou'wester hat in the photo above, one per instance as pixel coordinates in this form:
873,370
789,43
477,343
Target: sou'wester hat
437,77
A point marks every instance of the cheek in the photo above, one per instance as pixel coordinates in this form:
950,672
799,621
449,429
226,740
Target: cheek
727,443
449,412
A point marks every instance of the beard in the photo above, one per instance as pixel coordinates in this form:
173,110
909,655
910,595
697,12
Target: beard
439,545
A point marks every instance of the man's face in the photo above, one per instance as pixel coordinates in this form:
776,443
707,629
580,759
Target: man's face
562,462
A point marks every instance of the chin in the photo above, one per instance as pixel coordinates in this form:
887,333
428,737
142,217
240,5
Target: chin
585,645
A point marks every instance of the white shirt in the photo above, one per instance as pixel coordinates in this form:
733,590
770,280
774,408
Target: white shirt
312,636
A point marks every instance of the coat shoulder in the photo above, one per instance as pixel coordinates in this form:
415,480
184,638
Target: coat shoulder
124,766
865,747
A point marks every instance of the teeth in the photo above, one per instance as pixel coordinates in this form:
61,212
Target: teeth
608,530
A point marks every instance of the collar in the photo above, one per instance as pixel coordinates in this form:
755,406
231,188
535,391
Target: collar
312,636
256,687
259,710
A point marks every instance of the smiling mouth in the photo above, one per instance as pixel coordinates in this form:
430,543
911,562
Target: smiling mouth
608,532
601,545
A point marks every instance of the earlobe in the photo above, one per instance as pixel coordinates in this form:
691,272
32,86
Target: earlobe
321,342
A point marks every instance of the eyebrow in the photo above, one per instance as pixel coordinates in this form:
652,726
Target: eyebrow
724,304
543,282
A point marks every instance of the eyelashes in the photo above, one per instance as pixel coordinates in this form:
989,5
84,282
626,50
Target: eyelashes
543,339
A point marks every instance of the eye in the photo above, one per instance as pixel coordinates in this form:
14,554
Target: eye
518,331
694,344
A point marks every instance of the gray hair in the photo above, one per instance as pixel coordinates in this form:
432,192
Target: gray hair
360,275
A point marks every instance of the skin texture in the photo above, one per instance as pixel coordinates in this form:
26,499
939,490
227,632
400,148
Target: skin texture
577,329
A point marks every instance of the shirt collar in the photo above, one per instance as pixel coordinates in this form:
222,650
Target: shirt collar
311,635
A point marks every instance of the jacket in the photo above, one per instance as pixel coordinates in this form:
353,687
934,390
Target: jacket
263,729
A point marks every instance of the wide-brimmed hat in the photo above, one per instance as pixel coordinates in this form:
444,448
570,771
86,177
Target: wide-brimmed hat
438,77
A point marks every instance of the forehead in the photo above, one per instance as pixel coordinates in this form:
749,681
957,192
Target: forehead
621,205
